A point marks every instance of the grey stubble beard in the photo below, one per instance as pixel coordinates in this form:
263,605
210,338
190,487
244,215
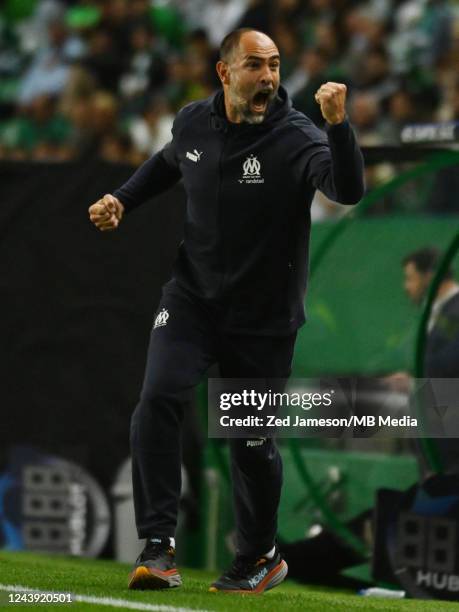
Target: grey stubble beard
242,106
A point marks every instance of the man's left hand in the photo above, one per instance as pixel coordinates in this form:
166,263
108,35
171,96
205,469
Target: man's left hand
332,100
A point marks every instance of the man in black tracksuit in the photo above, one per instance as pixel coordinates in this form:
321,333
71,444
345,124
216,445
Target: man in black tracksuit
250,165
441,357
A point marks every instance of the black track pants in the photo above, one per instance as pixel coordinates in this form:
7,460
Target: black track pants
185,342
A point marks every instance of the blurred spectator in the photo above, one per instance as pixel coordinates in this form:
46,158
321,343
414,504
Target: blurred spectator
290,12
220,17
364,113
422,34
153,130
105,61
197,44
116,20
257,16
42,133
188,80
79,113
363,30
443,198
49,71
311,71
401,109
145,69
117,148
287,43
94,121
373,74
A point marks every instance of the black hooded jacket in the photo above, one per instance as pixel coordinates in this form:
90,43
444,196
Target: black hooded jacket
249,190
441,359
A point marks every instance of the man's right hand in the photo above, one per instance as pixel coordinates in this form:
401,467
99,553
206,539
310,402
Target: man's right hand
106,213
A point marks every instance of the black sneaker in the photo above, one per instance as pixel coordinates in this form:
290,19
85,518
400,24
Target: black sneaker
155,567
251,575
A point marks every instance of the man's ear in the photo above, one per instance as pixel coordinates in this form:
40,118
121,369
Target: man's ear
223,72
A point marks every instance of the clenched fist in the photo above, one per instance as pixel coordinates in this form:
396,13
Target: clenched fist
332,100
106,213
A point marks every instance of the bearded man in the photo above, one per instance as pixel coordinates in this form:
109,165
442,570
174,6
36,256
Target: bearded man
250,165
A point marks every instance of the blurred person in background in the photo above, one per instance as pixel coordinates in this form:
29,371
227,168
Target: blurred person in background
48,131
443,199
422,34
289,12
177,87
311,71
330,552
365,114
373,75
362,31
288,43
42,133
241,312
197,44
94,119
401,110
117,147
188,80
49,71
79,113
152,131
441,356
104,118
116,19
221,16
105,60
259,15
442,348
145,70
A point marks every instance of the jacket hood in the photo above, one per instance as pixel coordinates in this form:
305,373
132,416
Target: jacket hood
278,109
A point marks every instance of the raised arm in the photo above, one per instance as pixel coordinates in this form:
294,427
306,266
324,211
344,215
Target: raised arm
154,176
333,162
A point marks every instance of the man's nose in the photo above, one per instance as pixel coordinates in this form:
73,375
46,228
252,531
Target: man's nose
266,76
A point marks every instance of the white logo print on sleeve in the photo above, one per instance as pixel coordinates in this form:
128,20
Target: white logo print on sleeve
195,156
161,319
251,171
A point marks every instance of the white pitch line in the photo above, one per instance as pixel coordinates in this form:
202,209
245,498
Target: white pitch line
102,601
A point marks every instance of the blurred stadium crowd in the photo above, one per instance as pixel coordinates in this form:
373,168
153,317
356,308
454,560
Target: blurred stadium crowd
103,78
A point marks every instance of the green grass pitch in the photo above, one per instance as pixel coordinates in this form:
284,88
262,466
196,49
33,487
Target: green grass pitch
103,578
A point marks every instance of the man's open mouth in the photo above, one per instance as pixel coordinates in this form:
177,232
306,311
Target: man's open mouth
260,101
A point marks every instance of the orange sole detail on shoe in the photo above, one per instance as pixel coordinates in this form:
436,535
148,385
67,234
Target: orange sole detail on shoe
143,577
275,577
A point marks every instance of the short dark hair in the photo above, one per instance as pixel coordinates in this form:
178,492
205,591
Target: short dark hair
231,42
426,260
